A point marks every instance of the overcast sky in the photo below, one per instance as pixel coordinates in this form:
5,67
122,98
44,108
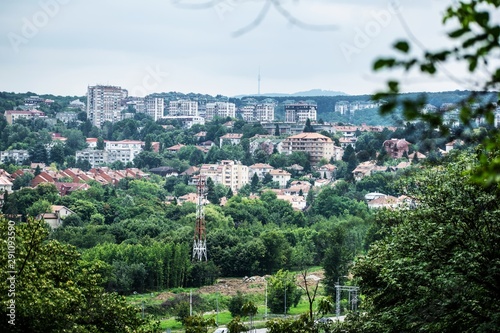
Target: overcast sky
62,46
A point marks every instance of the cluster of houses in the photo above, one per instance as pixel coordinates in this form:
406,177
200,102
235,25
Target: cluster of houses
66,181
228,173
70,179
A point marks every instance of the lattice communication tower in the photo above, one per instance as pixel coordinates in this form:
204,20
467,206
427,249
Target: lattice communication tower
200,229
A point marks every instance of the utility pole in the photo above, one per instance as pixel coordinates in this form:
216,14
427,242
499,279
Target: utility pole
190,302
285,297
217,317
265,314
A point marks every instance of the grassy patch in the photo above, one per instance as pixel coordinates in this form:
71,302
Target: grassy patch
170,323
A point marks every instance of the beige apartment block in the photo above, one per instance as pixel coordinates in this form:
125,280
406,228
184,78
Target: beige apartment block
228,173
316,145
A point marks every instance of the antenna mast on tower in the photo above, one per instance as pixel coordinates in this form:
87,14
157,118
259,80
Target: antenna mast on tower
200,230
258,79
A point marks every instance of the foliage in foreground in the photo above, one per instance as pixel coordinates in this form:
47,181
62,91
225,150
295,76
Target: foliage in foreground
51,289
474,46
437,267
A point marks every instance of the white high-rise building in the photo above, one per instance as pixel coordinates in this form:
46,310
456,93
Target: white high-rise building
154,107
342,107
104,104
300,112
247,112
183,107
220,109
254,112
264,112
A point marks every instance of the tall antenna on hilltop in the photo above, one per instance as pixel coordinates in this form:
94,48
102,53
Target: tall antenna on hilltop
258,83
200,230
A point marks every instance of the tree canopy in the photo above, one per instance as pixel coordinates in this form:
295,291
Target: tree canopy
51,289
436,269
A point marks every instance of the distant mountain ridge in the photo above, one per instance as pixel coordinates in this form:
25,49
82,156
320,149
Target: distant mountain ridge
309,93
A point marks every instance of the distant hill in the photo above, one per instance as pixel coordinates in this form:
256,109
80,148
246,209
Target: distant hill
309,93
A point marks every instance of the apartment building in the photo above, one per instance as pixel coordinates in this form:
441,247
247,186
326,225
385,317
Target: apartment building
104,103
261,169
137,103
187,121
124,151
264,112
154,107
220,109
280,176
183,107
345,107
67,117
230,138
16,155
228,173
300,112
247,112
257,112
316,145
342,107
33,100
12,115
283,128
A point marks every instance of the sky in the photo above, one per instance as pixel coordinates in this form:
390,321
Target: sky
61,47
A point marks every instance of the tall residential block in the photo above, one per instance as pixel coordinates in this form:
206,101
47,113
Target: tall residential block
220,109
154,107
183,107
257,112
104,103
300,112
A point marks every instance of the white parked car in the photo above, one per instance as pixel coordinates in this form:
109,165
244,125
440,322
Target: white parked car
221,330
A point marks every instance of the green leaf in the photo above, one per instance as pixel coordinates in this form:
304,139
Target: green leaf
381,63
402,46
387,107
472,64
393,86
428,68
459,32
